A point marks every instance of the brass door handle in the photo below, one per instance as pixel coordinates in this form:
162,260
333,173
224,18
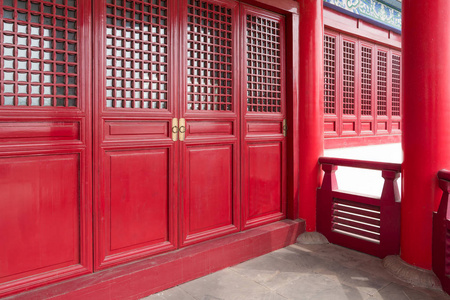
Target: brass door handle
182,129
285,128
175,129
178,129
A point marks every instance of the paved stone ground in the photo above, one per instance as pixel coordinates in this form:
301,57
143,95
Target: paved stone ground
302,272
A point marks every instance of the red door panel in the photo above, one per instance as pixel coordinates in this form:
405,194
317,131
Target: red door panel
45,142
264,186
264,142
209,153
209,188
134,156
38,214
138,199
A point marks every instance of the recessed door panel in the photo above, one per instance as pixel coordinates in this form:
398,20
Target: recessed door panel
138,198
265,180
39,214
209,204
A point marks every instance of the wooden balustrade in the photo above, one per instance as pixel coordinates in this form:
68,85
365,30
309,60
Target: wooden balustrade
361,222
441,233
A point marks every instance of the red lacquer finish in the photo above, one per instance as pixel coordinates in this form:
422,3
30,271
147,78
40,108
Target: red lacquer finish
135,157
45,143
263,145
426,132
209,189
310,107
441,230
364,223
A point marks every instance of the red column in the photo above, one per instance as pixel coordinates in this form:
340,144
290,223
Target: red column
426,121
310,107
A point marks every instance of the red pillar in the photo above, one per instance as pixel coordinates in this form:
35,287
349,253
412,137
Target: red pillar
426,121
310,107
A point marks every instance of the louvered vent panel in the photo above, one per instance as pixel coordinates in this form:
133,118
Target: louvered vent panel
357,220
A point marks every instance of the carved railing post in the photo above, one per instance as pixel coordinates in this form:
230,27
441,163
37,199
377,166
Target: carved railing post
390,212
325,199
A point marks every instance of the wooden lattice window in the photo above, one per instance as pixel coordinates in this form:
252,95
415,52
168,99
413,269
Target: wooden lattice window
209,78
348,79
395,85
366,81
329,74
38,54
382,83
263,65
136,54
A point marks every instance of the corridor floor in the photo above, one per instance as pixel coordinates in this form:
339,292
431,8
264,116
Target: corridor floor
301,272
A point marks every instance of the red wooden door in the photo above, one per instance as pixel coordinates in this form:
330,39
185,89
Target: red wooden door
167,124
135,157
45,211
263,102
209,105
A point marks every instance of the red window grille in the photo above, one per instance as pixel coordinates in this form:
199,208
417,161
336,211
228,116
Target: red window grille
39,54
348,99
366,81
382,83
209,79
263,65
395,85
136,54
329,74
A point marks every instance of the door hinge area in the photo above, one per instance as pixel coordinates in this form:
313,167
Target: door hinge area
285,128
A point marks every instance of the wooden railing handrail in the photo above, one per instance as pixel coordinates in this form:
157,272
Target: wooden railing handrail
362,164
444,174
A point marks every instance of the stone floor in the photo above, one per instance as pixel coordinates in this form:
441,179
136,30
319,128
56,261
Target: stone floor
301,272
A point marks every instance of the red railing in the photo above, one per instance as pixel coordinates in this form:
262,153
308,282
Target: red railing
365,223
441,233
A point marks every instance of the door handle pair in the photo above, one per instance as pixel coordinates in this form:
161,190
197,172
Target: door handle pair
178,129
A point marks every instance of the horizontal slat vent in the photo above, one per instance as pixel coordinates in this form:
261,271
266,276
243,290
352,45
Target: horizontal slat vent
356,220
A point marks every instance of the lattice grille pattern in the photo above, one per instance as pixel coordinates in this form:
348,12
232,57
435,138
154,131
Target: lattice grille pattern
209,79
366,81
263,65
38,53
348,99
357,220
329,74
395,85
137,54
382,83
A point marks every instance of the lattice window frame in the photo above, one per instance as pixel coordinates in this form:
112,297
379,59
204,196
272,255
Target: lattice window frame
40,59
382,82
137,55
349,50
396,84
330,69
264,64
210,57
366,80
